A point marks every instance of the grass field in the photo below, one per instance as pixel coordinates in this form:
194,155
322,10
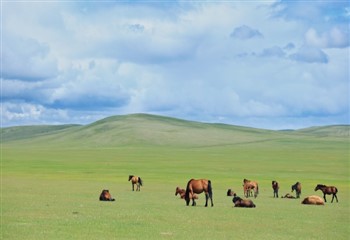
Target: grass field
51,179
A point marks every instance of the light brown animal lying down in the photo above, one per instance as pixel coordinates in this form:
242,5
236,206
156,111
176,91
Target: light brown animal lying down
313,200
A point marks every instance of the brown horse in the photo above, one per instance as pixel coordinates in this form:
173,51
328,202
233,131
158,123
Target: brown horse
313,200
275,188
250,186
135,180
327,190
198,186
106,196
297,188
239,202
182,193
288,195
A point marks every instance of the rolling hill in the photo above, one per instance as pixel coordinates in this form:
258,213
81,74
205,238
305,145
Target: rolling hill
145,129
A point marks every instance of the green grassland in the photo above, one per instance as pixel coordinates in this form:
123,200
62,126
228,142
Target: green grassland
51,178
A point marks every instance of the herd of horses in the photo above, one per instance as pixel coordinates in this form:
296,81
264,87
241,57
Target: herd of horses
250,189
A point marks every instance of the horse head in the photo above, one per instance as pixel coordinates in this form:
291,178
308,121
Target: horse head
130,177
319,186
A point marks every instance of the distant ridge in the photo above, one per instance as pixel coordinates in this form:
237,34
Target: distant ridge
147,129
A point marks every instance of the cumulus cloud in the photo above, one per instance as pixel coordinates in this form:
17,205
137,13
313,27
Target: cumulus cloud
334,38
77,62
310,55
244,32
27,59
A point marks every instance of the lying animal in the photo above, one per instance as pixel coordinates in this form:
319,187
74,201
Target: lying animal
106,196
239,202
288,195
313,200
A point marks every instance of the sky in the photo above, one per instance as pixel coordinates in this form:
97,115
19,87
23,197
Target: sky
264,64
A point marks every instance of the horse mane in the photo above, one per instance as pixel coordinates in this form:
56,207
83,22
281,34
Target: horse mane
321,185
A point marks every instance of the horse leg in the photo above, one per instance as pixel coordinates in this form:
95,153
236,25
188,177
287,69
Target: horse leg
193,202
324,197
336,198
132,186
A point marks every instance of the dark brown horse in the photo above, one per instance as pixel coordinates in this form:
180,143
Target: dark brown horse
135,180
297,188
327,190
198,186
250,186
230,193
275,188
106,196
239,202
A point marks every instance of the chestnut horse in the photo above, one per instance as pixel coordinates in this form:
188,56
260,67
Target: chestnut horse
106,196
313,200
250,185
198,186
182,192
297,188
275,188
327,190
135,180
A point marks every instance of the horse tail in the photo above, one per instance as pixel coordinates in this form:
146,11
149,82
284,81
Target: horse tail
257,188
140,181
210,190
336,190
187,193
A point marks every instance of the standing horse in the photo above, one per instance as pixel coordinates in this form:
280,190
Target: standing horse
327,190
135,180
250,185
297,188
275,188
198,186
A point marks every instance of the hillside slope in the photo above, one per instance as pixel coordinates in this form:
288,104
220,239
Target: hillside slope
145,129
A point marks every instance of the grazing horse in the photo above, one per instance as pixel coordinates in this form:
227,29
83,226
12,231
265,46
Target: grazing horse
297,188
135,180
313,200
239,202
182,193
250,185
106,196
275,188
327,190
198,186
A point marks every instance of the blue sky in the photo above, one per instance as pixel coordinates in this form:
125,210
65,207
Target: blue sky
265,64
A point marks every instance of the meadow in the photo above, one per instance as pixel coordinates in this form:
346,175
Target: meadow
51,180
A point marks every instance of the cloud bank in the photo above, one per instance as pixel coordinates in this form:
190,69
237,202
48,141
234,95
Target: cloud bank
263,64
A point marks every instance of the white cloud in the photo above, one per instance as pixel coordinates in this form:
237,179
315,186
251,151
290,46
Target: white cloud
98,60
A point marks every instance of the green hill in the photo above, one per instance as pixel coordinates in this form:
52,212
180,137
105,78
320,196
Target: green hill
145,129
